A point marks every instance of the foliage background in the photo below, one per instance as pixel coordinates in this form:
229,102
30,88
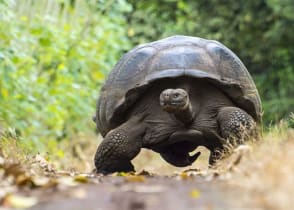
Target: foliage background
55,54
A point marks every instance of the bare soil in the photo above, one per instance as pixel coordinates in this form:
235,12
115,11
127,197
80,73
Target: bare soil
145,193
256,176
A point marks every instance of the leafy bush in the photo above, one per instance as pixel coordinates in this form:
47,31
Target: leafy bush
52,63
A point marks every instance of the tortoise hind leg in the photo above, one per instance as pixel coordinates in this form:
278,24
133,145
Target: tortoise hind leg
119,147
236,126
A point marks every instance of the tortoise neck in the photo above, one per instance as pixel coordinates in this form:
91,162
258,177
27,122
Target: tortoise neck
185,115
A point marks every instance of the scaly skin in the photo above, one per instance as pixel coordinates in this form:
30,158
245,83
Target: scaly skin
120,146
235,123
236,126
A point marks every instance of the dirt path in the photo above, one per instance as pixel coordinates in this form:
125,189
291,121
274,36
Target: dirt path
39,186
254,177
141,193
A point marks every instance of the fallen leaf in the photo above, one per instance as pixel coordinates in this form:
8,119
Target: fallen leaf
135,178
184,176
123,174
195,193
18,201
81,178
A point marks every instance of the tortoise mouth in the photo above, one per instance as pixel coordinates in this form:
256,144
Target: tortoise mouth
181,103
173,103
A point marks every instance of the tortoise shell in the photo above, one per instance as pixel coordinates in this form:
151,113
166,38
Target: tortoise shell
172,57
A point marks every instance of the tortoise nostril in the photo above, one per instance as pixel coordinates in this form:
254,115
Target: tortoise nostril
166,96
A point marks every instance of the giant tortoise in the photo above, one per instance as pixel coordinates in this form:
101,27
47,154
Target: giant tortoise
172,96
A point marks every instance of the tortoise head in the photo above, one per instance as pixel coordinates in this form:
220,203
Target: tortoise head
174,100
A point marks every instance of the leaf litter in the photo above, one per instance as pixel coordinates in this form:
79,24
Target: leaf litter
34,173
37,173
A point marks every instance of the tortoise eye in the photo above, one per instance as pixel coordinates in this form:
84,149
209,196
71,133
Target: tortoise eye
176,95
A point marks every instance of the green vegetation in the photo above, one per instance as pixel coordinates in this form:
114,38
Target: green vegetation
54,55
52,63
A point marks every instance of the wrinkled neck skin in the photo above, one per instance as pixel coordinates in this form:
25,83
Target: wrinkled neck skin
184,114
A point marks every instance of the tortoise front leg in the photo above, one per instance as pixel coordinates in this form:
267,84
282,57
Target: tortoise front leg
235,127
236,124
119,147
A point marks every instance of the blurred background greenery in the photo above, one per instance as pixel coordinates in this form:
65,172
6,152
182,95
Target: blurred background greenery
55,54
